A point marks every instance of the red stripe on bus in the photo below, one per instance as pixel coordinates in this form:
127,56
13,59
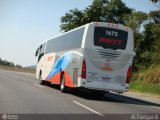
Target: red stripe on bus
68,80
56,79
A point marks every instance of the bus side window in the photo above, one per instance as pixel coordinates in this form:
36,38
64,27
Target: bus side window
40,56
41,51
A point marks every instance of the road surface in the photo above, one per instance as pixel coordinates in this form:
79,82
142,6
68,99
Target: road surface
20,93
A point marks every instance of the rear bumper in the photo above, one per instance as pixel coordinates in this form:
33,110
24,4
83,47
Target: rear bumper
94,85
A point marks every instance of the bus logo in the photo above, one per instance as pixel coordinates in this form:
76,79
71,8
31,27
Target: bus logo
50,58
106,67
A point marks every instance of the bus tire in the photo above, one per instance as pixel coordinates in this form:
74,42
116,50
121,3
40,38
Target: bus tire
41,82
62,84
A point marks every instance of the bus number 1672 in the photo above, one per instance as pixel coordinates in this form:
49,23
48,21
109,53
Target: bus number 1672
111,33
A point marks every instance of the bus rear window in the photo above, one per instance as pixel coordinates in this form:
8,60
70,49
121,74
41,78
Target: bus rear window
110,38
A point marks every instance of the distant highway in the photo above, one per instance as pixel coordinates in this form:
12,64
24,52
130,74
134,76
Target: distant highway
20,93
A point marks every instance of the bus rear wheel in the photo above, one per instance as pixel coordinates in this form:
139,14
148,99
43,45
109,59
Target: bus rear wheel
62,84
41,82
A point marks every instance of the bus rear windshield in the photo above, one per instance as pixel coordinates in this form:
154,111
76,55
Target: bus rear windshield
110,38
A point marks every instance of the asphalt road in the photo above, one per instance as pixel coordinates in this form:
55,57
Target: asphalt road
20,93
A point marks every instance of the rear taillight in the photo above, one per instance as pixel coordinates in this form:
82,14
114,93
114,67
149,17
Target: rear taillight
129,72
83,72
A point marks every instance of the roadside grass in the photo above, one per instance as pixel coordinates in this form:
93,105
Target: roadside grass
146,80
140,86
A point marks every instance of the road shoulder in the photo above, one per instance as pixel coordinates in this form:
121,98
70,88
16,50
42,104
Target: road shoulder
143,96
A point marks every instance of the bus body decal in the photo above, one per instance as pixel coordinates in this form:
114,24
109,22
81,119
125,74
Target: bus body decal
61,64
55,78
68,80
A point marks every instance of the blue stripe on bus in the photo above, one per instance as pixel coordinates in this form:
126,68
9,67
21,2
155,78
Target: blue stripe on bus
61,64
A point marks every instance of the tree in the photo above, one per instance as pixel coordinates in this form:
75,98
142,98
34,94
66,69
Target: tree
71,20
155,1
101,10
152,37
115,11
1,61
149,47
155,16
95,11
135,20
19,66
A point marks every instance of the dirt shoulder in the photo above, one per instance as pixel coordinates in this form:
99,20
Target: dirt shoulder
17,69
143,96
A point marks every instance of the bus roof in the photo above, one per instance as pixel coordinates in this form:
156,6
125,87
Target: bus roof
96,23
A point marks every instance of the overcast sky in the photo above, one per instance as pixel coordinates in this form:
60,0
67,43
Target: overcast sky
24,24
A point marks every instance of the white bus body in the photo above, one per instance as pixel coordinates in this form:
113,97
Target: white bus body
96,56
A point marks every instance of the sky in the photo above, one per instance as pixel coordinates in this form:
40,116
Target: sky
25,24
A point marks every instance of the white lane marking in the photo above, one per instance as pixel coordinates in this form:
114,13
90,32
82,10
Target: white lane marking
39,85
88,108
155,107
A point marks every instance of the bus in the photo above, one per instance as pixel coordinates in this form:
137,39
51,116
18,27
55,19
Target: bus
96,56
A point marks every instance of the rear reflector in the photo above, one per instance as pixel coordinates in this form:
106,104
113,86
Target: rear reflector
96,23
126,29
129,72
83,72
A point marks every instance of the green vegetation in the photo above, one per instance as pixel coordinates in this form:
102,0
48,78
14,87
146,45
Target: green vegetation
7,63
146,29
112,11
155,1
146,80
140,86
149,75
